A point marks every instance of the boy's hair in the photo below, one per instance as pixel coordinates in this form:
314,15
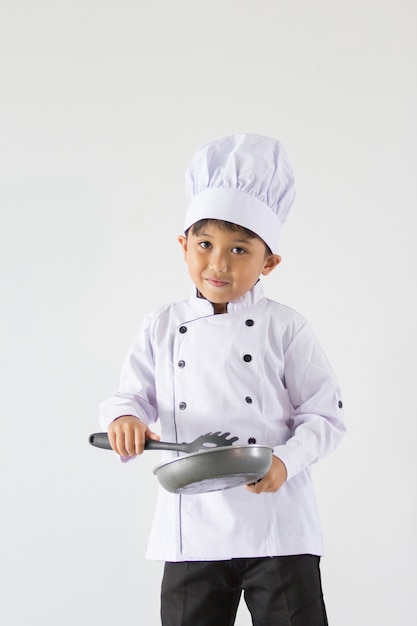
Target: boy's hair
196,228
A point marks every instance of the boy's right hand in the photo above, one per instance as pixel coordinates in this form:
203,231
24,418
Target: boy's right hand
127,435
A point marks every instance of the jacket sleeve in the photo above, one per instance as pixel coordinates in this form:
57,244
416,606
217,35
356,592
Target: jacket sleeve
317,421
136,393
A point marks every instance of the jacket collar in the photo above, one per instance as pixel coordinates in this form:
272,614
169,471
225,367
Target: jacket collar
250,298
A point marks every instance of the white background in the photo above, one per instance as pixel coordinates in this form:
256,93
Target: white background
103,104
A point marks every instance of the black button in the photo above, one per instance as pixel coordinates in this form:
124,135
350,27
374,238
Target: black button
183,329
248,399
181,363
182,405
249,322
247,358
251,440
340,404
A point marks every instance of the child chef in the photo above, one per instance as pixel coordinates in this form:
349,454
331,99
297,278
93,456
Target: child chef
230,359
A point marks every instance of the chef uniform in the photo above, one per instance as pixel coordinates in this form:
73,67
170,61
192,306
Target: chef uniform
257,372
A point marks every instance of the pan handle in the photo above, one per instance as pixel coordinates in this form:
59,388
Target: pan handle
101,440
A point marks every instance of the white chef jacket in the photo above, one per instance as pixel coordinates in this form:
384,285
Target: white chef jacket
257,372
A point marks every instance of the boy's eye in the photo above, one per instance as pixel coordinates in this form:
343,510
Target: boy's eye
204,244
238,250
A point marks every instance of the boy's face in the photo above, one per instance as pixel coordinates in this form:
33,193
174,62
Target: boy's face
224,265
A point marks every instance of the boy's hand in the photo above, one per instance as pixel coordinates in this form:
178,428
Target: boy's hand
273,479
127,435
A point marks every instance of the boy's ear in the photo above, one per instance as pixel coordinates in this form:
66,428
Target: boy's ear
182,240
270,263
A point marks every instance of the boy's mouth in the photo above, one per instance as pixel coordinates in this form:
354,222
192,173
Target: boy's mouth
215,282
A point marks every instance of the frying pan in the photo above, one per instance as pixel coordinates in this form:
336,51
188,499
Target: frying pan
222,466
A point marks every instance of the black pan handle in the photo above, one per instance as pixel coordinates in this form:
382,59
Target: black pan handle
101,440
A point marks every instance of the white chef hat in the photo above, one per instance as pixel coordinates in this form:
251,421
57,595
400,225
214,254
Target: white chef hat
245,179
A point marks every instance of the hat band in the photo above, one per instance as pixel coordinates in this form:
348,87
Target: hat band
239,208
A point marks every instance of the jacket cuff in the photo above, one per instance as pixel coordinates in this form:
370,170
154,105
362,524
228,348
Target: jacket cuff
289,458
110,411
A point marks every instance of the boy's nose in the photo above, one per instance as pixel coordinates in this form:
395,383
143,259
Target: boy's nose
218,261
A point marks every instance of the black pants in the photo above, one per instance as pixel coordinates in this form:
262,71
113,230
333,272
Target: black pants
278,591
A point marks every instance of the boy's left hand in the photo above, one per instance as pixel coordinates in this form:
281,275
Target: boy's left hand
273,479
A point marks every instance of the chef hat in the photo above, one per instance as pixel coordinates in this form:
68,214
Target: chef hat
245,179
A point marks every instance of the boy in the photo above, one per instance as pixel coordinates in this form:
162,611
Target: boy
229,359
